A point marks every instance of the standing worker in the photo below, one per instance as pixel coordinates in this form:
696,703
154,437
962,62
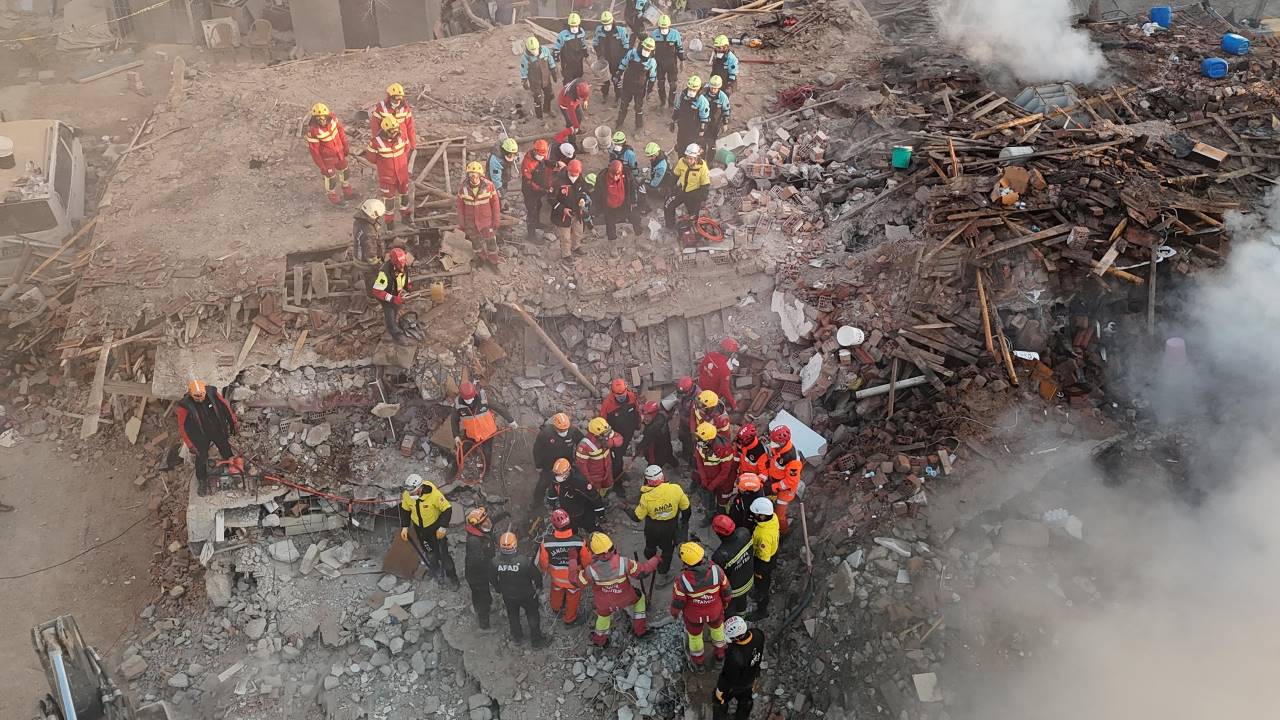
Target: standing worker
502,164
618,199
609,575
659,179
690,113
664,508
569,208
205,418
720,111
478,564
393,105
724,63
573,101
622,151
692,186
565,549
424,517
687,392
538,74
595,454
734,555
669,53
366,232
750,486
611,42
635,16
741,668
570,49
710,409
715,371
621,408
636,73
327,141
390,286
701,594
518,582
654,444
536,172
764,545
572,492
556,440
389,151
753,456
473,423
480,213
785,467
715,468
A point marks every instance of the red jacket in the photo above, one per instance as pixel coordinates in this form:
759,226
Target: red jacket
328,145
785,467
715,374
479,209
404,114
701,593
595,458
392,160
610,580
535,174
717,469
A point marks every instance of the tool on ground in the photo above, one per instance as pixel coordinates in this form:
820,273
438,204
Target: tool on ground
82,689
409,326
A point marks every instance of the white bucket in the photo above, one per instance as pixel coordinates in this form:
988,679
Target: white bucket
590,146
695,45
600,67
604,136
850,336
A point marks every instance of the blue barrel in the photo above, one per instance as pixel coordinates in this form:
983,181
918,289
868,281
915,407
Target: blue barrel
1235,44
1162,15
1214,68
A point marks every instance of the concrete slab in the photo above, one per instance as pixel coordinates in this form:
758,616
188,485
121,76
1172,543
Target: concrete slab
202,512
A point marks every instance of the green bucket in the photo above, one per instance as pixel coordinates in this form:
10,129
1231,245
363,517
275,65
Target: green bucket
725,157
902,157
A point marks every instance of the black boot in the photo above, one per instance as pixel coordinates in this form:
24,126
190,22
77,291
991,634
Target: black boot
639,121
202,486
622,118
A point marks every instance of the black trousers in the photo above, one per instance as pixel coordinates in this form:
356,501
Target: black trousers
764,578
542,96
435,553
530,607
709,138
389,317
720,710
632,96
692,203
202,454
608,84
689,132
667,82
613,216
737,606
661,535
532,209
482,601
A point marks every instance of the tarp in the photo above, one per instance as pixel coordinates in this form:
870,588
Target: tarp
86,26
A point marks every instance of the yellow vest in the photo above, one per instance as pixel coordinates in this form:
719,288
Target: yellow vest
424,510
764,539
663,502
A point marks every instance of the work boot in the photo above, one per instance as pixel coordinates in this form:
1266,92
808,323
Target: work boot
639,121
202,487
348,192
333,198
406,215
399,339
539,642
482,623
537,110
622,118
599,639
639,626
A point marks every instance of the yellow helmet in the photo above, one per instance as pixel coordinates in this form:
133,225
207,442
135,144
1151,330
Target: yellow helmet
691,553
598,426
395,90
708,399
319,110
706,432
510,147
664,22
695,82
721,41
475,167
606,17
390,122
715,82
575,20
600,543
649,44
531,44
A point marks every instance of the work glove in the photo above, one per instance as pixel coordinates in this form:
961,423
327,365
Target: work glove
515,426
440,533
525,83
404,534
617,82
398,299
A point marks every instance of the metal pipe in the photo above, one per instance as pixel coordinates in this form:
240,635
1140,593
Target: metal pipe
884,389
64,686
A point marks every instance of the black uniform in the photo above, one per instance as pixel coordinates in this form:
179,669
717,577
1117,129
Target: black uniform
683,420
735,557
669,53
478,568
548,447
611,49
624,419
435,551
655,441
203,423
740,508
577,497
571,56
519,580
738,676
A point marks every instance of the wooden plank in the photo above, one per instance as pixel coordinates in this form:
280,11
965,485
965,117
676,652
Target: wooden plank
297,348
1108,259
94,405
70,242
1000,247
110,71
1017,122
946,241
246,348
132,389
938,345
988,108
976,103
320,280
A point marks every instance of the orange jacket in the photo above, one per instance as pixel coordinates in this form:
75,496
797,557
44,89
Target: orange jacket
391,156
328,145
559,554
701,593
404,114
785,466
479,209
753,458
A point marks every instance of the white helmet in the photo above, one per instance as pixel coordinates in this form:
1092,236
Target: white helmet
693,149
566,150
374,208
762,506
735,627
651,472
415,481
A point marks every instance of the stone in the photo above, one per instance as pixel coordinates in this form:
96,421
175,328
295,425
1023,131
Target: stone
418,663
284,551
897,233
568,686
626,713
217,587
324,450
317,434
927,687
387,582
421,608
133,667
1024,533
177,591
380,658
895,545
855,558
255,628
179,681
600,342
195,670
331,682
401,599
309,559
479,700
337,557
844,585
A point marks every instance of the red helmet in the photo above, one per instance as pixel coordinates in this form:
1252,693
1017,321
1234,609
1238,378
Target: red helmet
575,167
723,525
747,433
584,90
540,147
618,386
721,422
729,345
467,390
649,408
615,168
684,384
559,519
398,257
780,435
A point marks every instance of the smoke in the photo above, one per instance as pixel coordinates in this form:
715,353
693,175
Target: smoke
1032,39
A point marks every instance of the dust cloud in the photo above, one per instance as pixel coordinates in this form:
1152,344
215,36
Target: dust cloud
1032,39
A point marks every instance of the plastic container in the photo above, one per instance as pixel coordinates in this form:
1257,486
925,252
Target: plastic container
1162,15
590,146
725,156
1214,68
600,67
1235,44
902,157
604,136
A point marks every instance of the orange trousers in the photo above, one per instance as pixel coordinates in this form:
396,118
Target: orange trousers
780,509
567,598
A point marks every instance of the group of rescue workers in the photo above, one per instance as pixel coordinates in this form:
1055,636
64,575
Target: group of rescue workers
746,480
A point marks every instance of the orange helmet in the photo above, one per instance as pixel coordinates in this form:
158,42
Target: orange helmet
560,466
618,386
540,147
478,517
507,542
195,388
749,482
560,421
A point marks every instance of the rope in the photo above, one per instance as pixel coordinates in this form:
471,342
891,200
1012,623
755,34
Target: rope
135,13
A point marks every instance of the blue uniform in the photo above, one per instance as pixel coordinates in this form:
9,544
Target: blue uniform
499,170
619,32
526,59
659,172
634,77
669,52
726,66
628,158
691,116
648,67
719,103
571,50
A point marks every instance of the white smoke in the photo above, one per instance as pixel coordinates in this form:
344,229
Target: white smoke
1032,39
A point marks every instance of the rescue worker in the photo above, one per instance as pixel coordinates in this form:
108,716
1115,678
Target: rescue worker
741,669
595,454
749,487
609,575
390,287
424,518
205,418
764,545
715,371
785,466
569,208
478,564
570,491
617,198
536,171
622,151
573,101
366,233
709,409
734,555
720,112
327,142
692,185
687,392
664,508
621,408
714,468
659,180
393,105
480,213
654,443
518,581
538,75
635,16
502,163
669,52
472,420
724,63
701,594
610,43
570,49
636,74
389,151
690,113
557,439
565,549
753,456
562,151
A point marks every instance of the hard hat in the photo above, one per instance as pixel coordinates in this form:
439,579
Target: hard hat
723,525
721,41
619,137
395,90
531,44
600,543
762,506
649,44
467,390
693,150
664,21
598,426
560,466
721,422
390,122
507,542
780,435
196,389
541,147
559,519
653,475
652,149
606,18
650,408
566,149
591,179
510,147
715,82
735,627
414,481
708,399
729,345
684,384
574,19
747,433
706,432
618,386
695,83
575,167
475,167
584,90
691,553
749,482
615,168
477,516
560,421
319,110
399,257
374,208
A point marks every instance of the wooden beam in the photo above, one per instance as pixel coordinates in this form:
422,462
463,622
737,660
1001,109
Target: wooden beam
94,405
554,349
70,241
1050,233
